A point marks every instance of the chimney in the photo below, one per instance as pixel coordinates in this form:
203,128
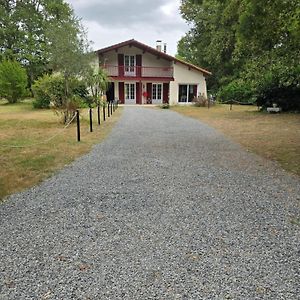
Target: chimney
165,48
158,45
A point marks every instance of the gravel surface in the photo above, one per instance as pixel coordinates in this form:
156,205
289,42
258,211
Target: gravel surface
164,208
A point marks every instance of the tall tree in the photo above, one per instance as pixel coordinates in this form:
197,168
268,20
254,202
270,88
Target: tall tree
243,39
32,30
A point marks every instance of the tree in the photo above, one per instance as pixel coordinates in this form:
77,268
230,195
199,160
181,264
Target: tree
97,83
28,31
13,81
247,44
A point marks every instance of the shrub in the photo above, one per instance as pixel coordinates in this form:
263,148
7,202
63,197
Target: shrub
279,88
237,90
200,101
165,106
48,90
13,81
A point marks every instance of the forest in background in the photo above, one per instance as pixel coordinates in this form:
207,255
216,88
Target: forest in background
250,46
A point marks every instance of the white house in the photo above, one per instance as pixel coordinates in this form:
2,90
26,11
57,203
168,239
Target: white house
140,74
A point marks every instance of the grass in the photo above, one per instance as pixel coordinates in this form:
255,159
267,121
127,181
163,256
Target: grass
22,125
273,136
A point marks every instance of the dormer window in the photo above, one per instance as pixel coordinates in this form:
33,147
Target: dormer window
129,65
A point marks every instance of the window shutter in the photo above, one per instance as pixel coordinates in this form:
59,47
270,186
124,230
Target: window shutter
121,92
138,93
138,65
121,64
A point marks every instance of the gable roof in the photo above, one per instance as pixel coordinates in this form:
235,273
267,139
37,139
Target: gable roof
153,51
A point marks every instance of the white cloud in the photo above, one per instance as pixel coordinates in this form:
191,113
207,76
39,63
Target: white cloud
113,21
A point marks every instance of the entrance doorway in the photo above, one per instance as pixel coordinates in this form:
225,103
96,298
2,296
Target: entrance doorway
110,93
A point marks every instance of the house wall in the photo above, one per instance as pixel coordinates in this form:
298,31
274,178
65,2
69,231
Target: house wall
182,75
148,59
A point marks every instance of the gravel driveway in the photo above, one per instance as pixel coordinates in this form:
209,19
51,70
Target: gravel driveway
165,208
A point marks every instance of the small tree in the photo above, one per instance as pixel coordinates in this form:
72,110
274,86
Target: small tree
13,81
97,83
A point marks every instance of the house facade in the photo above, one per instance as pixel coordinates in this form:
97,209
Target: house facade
140,74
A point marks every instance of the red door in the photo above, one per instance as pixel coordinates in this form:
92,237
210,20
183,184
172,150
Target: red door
166,93
121,92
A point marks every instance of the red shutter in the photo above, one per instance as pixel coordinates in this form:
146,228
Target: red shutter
138,65
138,93
149,92
121,64
166,93
121,92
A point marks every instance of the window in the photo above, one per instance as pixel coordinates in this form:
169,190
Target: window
129,91
187,92
156,91
129,63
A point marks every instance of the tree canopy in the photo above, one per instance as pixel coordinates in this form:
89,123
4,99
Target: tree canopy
42,35
253,43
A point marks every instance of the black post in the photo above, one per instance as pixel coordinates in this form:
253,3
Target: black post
111,107
108,112
98,112
114,107
104,112
78,125
91,120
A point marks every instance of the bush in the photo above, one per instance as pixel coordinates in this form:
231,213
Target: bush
165,106
279,88
48,90
13,81
237,90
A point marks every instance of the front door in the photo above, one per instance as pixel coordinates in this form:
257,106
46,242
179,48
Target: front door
110,93
157,93
130,93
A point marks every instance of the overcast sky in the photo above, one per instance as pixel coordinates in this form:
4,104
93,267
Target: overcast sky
113,21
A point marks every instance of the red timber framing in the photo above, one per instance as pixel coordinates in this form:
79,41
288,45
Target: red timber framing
138,93
166,92
121,93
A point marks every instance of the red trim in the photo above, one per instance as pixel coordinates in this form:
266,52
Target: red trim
166,93
139,64
129,78
153,51
138,93
121,64
121,92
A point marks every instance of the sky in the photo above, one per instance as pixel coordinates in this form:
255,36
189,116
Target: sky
110,22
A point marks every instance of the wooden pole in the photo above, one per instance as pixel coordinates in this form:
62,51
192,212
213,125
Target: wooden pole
78,125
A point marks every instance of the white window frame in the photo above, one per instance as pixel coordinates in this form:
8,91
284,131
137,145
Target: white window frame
155,85
130,93
187,93
129,65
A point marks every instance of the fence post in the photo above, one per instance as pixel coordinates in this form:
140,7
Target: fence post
104,112
98,114
91,120
111,107
108,112
78,125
